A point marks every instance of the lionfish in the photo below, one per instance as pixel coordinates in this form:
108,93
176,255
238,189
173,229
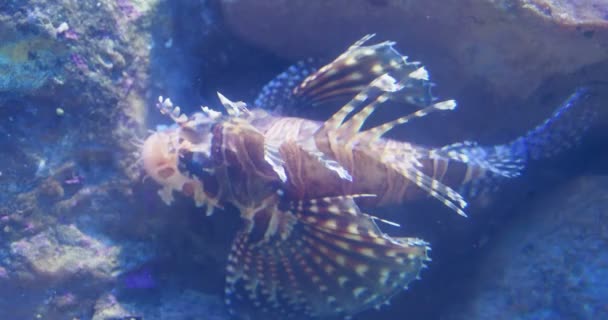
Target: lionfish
306,249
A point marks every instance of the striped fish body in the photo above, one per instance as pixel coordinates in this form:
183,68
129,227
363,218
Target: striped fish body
306,249
373,168
300,254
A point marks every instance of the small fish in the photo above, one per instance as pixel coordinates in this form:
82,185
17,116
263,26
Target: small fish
306,248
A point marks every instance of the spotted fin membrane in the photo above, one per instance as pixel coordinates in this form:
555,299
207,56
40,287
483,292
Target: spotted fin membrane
357,67
304,84
326,258
277,95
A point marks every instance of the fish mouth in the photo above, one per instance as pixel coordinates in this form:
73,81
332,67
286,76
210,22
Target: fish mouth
159,155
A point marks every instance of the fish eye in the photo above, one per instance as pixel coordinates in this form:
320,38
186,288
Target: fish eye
197,164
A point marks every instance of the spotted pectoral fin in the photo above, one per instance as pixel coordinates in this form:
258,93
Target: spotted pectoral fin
326,259
357,67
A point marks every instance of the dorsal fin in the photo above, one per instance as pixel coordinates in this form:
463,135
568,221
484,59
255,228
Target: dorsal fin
377,92
340,131
166,107
377,132
235,109
387,85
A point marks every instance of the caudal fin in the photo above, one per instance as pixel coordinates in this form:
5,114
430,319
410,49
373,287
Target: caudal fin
560,132
488,165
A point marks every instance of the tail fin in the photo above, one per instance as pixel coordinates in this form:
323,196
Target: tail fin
489,164
560,132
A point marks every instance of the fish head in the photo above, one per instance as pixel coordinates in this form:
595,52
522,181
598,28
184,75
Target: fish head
178,157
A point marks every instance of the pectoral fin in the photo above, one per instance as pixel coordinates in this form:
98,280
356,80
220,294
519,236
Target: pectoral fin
325,258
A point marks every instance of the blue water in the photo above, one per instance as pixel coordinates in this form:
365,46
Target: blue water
85,235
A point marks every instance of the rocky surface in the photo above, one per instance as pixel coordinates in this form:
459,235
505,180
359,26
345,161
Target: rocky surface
61,252
512,45
71,94
71,86
169,306
507,63
78,224
550,263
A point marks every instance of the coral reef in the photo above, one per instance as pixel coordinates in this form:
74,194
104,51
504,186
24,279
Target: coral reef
169,306
76,220
71,91
27,63
80,65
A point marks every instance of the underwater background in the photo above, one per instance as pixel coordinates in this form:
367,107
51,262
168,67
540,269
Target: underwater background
83,235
